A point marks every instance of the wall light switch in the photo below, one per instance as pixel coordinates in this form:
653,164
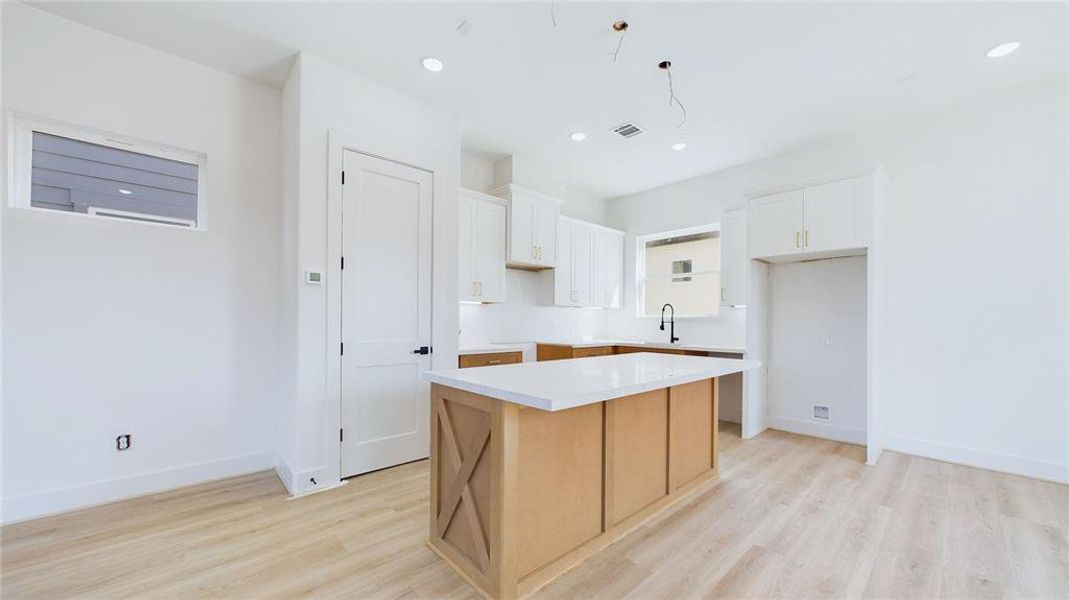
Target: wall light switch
313,277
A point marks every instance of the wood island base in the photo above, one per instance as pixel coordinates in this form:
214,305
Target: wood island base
520,495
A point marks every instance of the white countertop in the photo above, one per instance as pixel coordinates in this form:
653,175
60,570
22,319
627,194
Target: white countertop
561,384
489,348
677,345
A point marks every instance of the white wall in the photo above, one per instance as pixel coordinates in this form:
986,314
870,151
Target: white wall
385,123
817,347
482,175
476,173
118,327
973,351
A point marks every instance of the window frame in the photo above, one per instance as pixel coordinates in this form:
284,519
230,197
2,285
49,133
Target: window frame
21,128
640,270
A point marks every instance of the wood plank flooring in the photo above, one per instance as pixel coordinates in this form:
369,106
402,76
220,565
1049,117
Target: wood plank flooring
790,517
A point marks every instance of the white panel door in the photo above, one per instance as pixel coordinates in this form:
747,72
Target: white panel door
521,238
835,216
490,251
546,215
598,273
776,225
386,314
614,271
562,275
734,260
582,265
467,286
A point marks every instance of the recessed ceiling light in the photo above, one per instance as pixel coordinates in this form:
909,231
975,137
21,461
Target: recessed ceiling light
432,64
1003,49
125,192
679,146
577,136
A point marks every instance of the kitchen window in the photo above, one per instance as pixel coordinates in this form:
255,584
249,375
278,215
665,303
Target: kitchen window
75,170
681,268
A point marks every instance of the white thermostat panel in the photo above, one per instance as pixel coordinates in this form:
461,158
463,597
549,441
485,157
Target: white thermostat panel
313,277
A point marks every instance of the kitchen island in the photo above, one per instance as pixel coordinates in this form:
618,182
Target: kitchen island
537,466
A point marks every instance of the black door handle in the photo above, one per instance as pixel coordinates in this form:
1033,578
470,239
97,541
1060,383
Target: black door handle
422,350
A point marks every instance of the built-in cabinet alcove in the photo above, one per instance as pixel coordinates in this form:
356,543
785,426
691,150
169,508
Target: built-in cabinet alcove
812,248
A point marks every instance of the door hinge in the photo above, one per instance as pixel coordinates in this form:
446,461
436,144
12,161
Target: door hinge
342,345
341,435
343,177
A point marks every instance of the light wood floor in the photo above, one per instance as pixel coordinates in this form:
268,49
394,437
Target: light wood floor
790,517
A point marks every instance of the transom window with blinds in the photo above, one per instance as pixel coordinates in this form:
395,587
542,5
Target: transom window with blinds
72,170
681,268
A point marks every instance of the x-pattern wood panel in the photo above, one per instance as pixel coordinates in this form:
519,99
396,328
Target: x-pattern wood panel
463,465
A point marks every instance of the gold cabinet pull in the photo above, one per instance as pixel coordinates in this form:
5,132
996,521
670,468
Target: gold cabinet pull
806,238
797,239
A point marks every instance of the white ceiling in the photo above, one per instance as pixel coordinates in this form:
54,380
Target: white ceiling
757,79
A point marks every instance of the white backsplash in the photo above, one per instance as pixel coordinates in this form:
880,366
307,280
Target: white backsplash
527,315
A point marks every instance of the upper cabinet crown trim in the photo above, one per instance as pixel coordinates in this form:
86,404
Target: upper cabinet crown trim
470,193
593,225
878,174
510,188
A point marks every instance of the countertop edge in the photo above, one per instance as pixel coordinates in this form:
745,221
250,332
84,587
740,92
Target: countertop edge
551,405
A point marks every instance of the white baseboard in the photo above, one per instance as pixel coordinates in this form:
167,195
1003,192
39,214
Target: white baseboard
829,431
983,459
323,479
285,475
32,506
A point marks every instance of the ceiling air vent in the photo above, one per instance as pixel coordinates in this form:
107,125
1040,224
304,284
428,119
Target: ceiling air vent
627,130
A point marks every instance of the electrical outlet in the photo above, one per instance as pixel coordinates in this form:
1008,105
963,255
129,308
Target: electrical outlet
821,412
123,442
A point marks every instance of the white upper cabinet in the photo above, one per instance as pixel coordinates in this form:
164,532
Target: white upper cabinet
532,227
776,224
734,259
589,265
481,257
836,216
824,219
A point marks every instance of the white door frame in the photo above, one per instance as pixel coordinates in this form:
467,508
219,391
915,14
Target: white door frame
337,144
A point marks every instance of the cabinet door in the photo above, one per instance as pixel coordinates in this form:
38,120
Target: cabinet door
490,251
521,229
546,215
466,286
562,275
597,268
734,260
776,225
582,265
614,271
835,216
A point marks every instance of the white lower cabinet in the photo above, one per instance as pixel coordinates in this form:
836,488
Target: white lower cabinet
589,265
481,252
